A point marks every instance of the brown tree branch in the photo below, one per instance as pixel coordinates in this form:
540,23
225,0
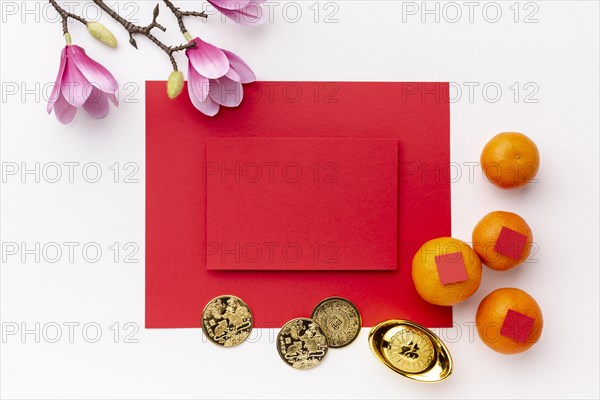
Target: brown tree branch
65,15
134,29
180,14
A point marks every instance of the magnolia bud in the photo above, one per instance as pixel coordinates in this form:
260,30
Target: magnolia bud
175,84
101,33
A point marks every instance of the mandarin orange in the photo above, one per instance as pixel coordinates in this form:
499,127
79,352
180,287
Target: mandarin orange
502,240
510,160
446,271
509,321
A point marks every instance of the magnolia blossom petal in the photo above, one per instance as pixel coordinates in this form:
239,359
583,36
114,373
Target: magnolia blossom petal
198,84
81,82
208,60
56,90
97,104
96,74
206,107
230,4
252,14
113,98
75,87
241,68
227,92
64,111
231,74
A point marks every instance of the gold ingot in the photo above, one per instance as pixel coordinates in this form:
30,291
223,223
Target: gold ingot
411,350
227,321
339,319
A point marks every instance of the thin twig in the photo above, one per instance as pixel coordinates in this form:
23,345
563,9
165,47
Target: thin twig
65,15
180,14
134,29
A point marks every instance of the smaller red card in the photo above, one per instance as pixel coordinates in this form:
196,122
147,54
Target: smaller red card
451,268
510,243
517,326
301,204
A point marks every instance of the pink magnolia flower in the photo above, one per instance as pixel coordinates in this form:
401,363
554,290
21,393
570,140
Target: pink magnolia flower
215,77
81,82
245,12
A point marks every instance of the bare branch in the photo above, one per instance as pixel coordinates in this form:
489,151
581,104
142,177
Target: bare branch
65,15
134,29
180,14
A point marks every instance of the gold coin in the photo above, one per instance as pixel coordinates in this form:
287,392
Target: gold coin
227,321
301,343
411,350
339,319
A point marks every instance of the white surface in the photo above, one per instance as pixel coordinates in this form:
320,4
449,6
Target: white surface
558,55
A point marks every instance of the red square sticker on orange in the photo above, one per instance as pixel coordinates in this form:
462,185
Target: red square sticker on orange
510,243
517,326
451,268
301,204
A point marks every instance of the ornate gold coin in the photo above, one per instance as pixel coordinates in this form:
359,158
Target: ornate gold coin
301,343
227,321
339,319
411,350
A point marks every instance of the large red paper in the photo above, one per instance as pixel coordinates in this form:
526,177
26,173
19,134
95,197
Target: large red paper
301,204
178,284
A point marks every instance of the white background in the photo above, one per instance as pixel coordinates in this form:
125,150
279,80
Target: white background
554,62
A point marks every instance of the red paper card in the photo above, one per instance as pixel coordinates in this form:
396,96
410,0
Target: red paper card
178,284
510,243
451,268
517,326
301,204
